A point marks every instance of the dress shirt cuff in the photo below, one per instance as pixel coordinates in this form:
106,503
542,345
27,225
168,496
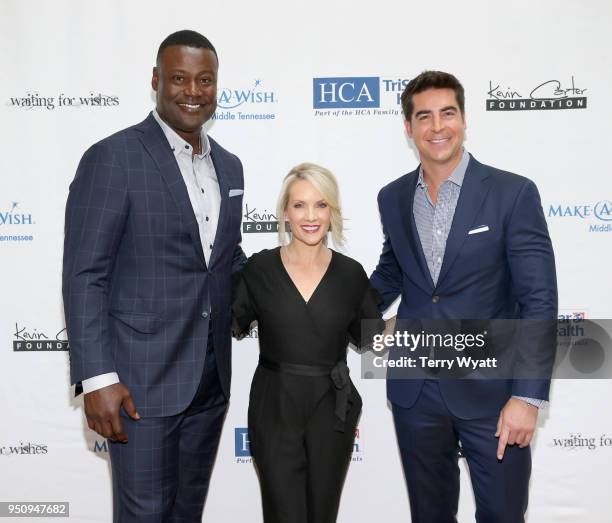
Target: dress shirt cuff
98,382
540,404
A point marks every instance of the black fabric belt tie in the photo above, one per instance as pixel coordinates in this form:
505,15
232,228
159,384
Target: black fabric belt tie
339,374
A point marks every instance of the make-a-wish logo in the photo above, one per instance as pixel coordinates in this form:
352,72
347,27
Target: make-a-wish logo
100,446
14,222
27,339
599,214
357,95
258,220
15,215
550,94
242,445
251,103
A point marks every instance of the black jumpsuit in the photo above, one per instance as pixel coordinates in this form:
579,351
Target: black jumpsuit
303,407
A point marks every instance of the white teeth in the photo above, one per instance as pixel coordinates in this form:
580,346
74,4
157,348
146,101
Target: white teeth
190,106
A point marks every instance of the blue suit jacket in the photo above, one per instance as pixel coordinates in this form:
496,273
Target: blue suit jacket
505,272
136,286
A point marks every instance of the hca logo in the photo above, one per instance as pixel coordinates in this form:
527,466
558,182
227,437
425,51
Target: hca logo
346,92
242,447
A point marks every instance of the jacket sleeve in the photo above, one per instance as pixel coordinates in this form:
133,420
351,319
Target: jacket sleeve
239,259
534,285
96,216
244,308
387,276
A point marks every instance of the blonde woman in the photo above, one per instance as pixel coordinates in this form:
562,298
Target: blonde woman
308,301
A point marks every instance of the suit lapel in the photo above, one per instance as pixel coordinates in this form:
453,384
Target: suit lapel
156,144
473,192
416,249
223,180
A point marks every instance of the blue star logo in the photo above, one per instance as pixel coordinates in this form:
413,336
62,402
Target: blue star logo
14,205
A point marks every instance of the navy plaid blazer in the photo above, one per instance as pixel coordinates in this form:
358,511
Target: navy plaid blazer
139,297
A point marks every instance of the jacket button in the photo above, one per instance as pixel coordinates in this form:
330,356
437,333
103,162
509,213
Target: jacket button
204,314
435,299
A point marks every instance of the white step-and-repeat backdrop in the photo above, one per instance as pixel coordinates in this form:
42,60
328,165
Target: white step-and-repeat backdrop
537,77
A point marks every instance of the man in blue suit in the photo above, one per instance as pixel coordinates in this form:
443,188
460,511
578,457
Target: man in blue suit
152,238
464,241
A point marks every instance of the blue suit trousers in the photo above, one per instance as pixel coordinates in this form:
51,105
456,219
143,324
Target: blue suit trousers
431,439
162,474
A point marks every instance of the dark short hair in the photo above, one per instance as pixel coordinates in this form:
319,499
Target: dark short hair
431,80
187,38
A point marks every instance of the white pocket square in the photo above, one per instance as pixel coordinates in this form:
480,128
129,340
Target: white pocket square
235,192
482,228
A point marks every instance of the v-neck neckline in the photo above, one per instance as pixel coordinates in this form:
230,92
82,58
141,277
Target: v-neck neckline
292,283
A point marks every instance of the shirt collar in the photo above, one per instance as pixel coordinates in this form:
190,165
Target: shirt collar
178,145
456,176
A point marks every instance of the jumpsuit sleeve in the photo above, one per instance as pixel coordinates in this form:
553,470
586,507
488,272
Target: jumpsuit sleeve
243,307
368,319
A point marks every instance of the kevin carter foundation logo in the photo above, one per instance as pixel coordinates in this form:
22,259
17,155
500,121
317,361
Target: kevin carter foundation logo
258,219
544,95
30,339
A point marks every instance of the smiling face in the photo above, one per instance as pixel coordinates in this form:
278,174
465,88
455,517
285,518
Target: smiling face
437,126
185,82
308,213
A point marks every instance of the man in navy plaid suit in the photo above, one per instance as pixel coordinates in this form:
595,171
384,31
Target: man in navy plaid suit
152,238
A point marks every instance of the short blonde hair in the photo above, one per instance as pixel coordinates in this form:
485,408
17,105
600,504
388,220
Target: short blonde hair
324,182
